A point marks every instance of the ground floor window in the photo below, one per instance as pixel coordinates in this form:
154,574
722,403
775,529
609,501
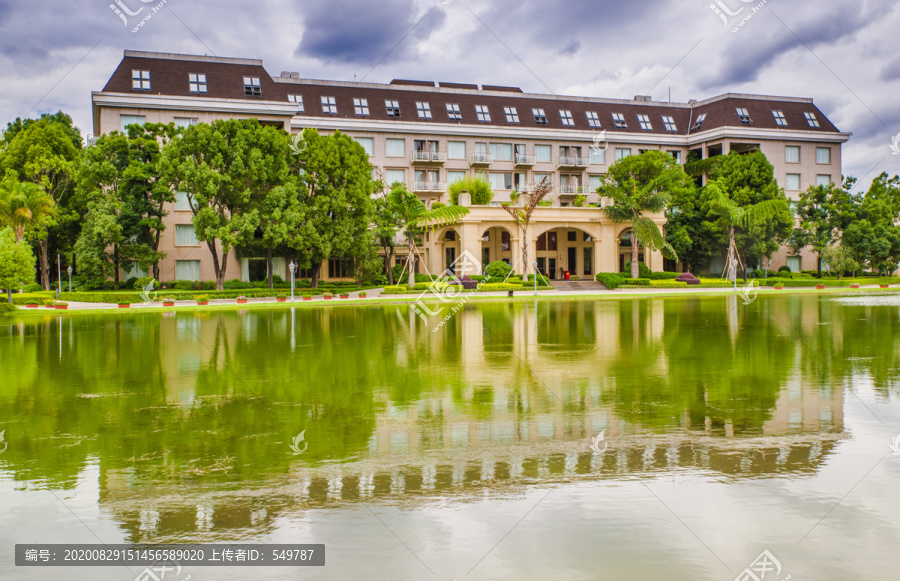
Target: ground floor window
588,266
132,270
793,262
340,268
187,270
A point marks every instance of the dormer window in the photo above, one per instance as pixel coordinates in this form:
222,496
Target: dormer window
197,82
392,108
453,112
252,86
644,120
329,106
298,99
481,111
743,115
779,118
699,122
669,123
566,116
140,80
540,118
811,119
619,121
592,119
361,107
423,108
512,116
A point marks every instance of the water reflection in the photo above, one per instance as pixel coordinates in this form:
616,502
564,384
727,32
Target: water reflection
188,418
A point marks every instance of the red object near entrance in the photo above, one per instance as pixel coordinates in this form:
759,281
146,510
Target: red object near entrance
566,274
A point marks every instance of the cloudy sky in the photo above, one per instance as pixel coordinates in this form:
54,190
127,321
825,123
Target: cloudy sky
843,54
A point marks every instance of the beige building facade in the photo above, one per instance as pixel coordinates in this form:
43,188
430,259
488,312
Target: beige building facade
430,134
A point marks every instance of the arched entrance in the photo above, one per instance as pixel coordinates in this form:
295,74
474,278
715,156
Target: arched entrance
625,251
565,249
448,243
496,244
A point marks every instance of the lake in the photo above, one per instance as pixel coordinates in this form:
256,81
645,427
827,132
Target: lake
632,438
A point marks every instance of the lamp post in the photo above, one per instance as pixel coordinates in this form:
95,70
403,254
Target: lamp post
69,270
58,276
734,264
292,266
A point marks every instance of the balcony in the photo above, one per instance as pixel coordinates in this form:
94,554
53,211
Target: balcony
482,158
429,186
522,159
568,190
428,157
571,161
523,188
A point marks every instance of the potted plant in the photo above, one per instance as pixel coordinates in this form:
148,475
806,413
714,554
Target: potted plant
31,306
61,305
307,297
328,296
50,304
123,303
779,286
201,299
854,285
884,285
242,300
345,295
168,301
363,295
281,297
820,287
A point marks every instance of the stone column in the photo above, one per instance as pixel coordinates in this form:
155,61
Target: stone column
470,241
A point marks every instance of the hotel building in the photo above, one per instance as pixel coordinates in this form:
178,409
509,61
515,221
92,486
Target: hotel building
429,134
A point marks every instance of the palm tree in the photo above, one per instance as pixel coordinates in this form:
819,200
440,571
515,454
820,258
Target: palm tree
414,217
736,216
639,185
24,205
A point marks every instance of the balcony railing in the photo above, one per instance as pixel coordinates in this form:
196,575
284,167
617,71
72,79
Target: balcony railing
482,158
570,189
430,186
571,161
429,156
523,188
522,159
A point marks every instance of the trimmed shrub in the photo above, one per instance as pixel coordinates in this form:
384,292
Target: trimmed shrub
129,284
636,281
784,268
668,284
141,283
643,270
611,280
688,278
500,286
33,288
6,308
498,270
663,275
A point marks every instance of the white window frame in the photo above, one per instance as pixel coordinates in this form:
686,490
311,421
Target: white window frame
788,178
183,229
619,121
780,119
361,107
644,122
195,267
482,113
392,107
743,115
512,116
252,87
367,143
820,150
593,119
329,105
538,157
453,112
197,82
669,123
622,152
423,109
788,148
811,119
453,146
298,100
140,80
540,118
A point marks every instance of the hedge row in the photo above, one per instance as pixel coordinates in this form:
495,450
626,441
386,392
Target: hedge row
115,297
28,298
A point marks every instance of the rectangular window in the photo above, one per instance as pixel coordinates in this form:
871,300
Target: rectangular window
182,202
140,80
456,149
298,99
592,119
699,122
392,108
597,155
481,111
501,151
540,177
823,180
394,147
423,109
340,267
252,86
622,153
185,121
127,120
501,181
823,155
792,181
455,176
676,154
361,107
185,235
566,116
588,268
669,123
619,121
644,120
368,143
187,270
395,175
571,236
811,119
779,118
453,112
743,115
197,82
543,153
540,118
594,182
512,116
792,154
329,106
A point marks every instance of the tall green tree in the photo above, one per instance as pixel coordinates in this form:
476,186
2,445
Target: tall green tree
478,189
873,239
97,249
414,217
46,153
639,185
16,262
25,208
225,168
386,221
336,188
522,217
281,220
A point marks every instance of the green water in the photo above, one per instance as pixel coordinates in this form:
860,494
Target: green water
721,429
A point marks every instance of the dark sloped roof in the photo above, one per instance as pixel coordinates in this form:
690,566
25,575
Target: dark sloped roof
169,76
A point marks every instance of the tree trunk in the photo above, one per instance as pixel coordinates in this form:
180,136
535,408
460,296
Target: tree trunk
156,264
45,264
9,294
116,264
411,261
819,265
524,242
314,280
269,266
732,271
220,272
635,268
388,267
